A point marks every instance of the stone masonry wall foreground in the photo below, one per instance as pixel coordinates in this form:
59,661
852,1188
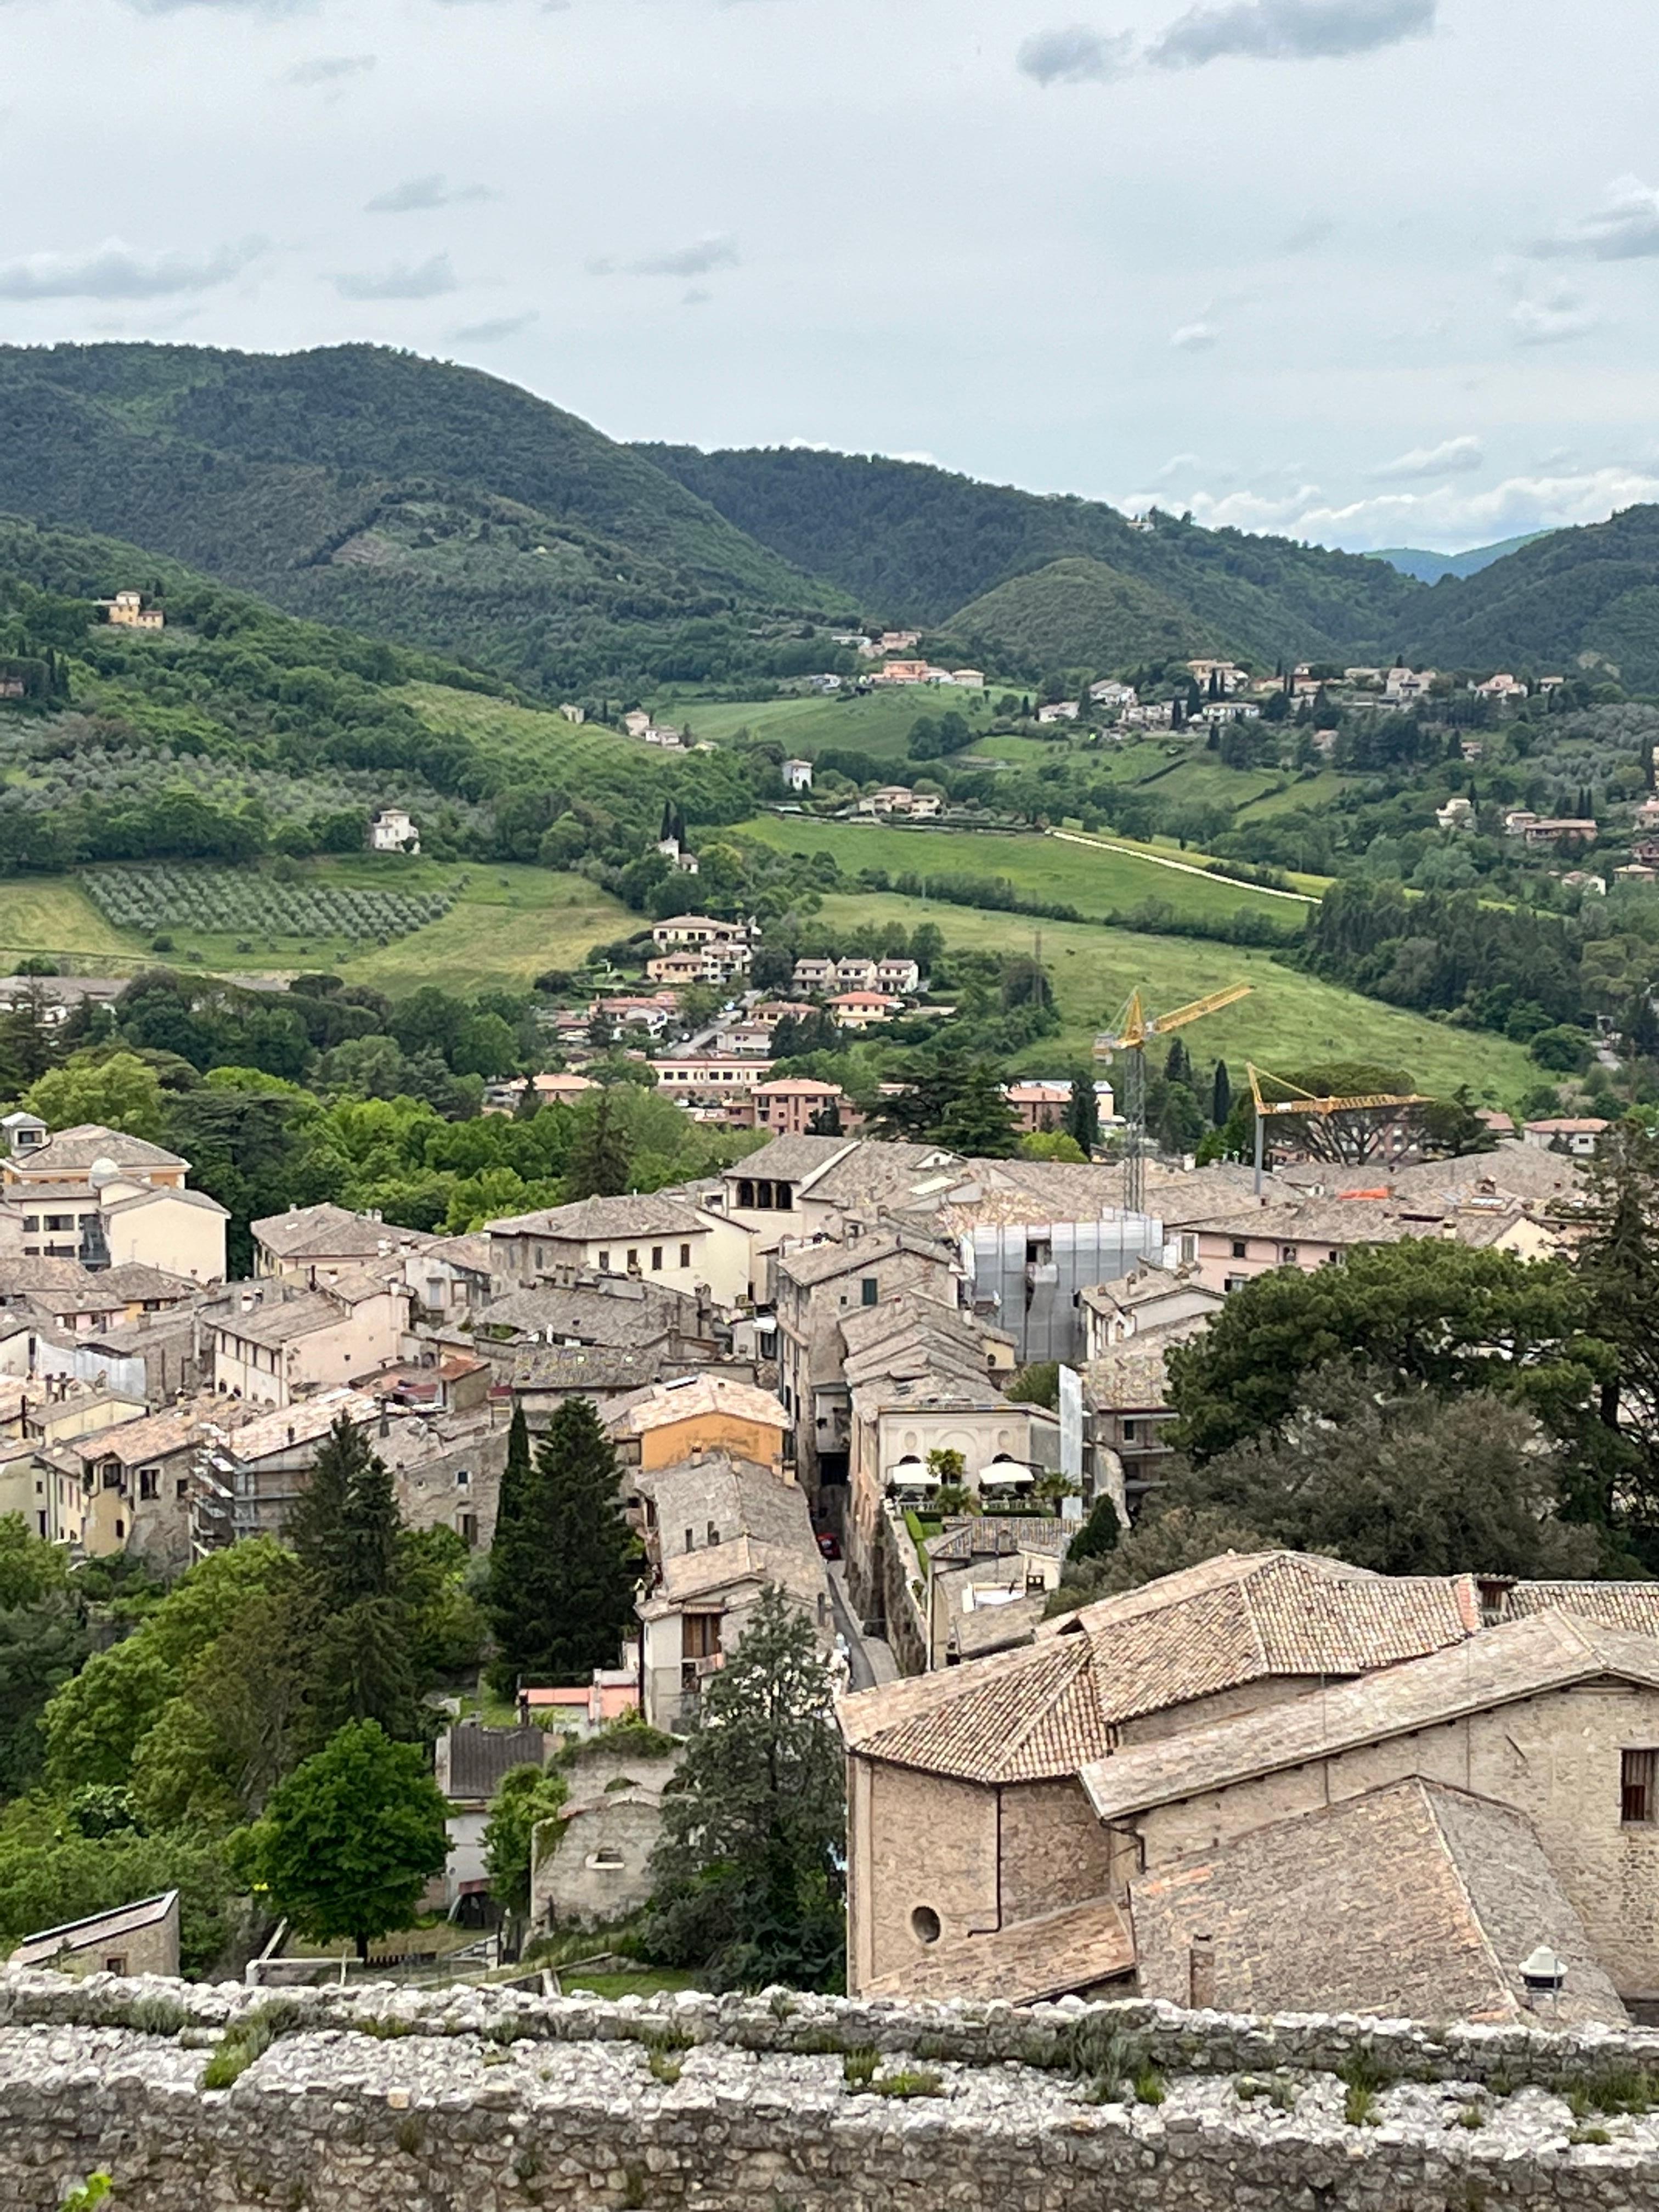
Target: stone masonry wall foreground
469,2100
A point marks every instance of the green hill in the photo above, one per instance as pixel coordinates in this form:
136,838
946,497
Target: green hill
424,501
915,542
1077,612
1429,568
1593,590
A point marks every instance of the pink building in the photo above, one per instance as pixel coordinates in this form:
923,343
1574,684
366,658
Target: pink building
1038,1106
789,1107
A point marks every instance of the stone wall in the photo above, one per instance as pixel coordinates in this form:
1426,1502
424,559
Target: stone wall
465,2100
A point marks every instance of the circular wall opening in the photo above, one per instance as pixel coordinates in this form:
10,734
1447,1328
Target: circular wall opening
925,1924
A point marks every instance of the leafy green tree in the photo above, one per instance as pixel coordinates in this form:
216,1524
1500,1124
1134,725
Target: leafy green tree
1159,1544
350,1839
1036,1385
1442,1314
119,1092
50,1873
45,1639
563,1570
525,1795
599,1159
748,1877
1393,1477
1049,1145
1099,1534
1618,1264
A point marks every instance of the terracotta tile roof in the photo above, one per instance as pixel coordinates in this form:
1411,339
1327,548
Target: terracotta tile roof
1518,1659
694,1396
1630,1606
1415,1900
1072,1949
1033,1715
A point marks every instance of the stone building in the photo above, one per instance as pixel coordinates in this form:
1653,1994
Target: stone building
668,1423
1272,1780
592,1861
141,1938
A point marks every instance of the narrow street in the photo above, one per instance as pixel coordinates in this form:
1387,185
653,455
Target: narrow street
871,1660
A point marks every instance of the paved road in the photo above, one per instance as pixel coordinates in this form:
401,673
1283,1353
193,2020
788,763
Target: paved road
871,1660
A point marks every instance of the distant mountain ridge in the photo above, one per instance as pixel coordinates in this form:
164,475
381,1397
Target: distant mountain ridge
431,503
920,545
1429,568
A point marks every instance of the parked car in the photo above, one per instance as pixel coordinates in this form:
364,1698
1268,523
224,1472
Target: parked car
828,1543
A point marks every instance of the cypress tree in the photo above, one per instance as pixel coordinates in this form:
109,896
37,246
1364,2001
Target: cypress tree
563,1570
357,1626
1221,1095
1083,1115
600,1161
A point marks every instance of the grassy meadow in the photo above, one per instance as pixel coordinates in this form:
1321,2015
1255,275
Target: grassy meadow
1289,1020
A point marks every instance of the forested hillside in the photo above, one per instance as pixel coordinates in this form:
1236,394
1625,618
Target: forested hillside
422,502
917,543
1077,611
1595,590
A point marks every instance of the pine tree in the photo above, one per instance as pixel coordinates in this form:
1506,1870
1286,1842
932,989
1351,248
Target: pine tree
352,1612
563,1568
1178,1066
599,1159
1221,1095
1083,1115
977,1119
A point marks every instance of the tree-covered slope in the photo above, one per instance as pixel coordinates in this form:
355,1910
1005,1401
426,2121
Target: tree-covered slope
1078,613
916,543
1429,568
1594,590
427,503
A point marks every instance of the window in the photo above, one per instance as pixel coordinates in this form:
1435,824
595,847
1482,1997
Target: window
60,1221
685,1256
656,1258
713,1534
1287,1256
925,1924
120,1532
181,1486
604,1263
1639,1788
1241,1249
1131,1432
869,1291
149,1481
469,1531
633,1259
30,1224
700,1636
690,1540
606,1860
1236,1283
116,1963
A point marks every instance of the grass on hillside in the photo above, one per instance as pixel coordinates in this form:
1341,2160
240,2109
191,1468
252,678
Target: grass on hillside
1290,1021
1096,882
507,924
875,722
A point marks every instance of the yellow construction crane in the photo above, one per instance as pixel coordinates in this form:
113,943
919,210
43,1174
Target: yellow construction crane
1320,1114
1130,1034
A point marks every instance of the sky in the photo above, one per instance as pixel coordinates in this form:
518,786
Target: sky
1368,272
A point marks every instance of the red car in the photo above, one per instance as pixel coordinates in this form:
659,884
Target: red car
828,1545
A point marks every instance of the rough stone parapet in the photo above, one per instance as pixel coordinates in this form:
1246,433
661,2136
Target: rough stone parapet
465,2099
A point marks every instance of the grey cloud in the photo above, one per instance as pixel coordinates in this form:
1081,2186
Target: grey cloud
417,194
1452,457
1290,30
1307,235
113,271
329,69
423,280
1625,229
708,253
1551,320
1075,55
489,333
698,296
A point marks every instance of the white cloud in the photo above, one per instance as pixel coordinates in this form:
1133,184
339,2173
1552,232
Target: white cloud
423,280
1547,320
1625,228
114,272
1194,337
1290,30
1447,516
1075,55
419,194
1454,458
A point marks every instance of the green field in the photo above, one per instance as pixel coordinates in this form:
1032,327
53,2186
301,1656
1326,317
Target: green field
1094,882
1289,1020
877,722
507,925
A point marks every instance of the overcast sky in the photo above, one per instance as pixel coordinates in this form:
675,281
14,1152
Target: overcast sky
1368,271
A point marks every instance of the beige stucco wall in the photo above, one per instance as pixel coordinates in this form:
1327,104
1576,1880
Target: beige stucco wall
1555,1758
183,1239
